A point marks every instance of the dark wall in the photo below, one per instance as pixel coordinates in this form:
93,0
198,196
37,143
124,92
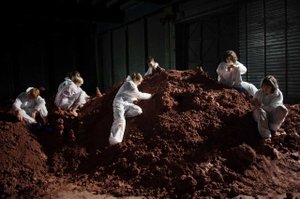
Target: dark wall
37,54
270,43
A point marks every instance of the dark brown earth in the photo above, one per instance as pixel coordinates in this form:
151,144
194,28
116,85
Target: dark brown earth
194,139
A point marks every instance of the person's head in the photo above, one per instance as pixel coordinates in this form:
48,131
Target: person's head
150,61
137,78
230,56
73,74
78,80
34,93
269,84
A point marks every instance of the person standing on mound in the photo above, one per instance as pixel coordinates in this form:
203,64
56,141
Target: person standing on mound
123,106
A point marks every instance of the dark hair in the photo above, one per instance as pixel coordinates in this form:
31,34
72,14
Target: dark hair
271,81
231,54
149,59
136,77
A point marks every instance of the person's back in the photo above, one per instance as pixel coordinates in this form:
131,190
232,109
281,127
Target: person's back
28,103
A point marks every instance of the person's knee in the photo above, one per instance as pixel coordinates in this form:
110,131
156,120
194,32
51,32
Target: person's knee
139,111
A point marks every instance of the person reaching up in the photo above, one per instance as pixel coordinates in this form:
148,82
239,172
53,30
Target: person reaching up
153,66
123,106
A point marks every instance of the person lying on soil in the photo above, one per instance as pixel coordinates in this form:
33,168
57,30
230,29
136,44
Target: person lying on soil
153,66
269,111
28,105
229,73
123,106
70,96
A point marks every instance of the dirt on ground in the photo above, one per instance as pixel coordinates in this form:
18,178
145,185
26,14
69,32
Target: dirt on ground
195,139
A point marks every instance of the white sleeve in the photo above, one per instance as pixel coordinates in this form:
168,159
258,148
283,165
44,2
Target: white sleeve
276,100
17,105
242,68
40,102
149,71
136,93
144,96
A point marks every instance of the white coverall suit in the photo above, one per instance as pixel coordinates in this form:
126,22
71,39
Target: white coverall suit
123,107
70,95
271,114
233,78
150,69
27,105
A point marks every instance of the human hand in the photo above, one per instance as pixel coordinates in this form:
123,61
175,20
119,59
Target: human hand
20,115
33,114
230,67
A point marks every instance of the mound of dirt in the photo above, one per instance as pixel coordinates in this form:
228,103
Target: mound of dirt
195,138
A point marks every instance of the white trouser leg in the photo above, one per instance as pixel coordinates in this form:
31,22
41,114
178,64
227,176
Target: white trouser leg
132,110
118,126
277,117
250,88
260,116
236,77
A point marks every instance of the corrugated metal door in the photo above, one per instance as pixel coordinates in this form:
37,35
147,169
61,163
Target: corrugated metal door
203,41
293,50
269,42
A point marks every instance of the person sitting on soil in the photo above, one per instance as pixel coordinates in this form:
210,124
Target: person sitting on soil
123,106
269,111
28,104
70,96
229,73
153,66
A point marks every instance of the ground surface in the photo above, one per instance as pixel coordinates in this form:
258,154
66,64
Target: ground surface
194,139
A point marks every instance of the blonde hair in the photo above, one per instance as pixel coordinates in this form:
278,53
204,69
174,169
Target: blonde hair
136,77
78,80
35,92
72,75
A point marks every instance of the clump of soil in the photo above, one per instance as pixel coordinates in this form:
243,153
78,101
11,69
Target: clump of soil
195,138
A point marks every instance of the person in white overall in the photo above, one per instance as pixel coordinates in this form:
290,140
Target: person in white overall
269,111
229,73
28,104
153,66
70,96
123,106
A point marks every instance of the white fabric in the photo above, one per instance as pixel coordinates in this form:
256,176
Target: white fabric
27,105
250,88
233,77
150,69
271,114
70,95
123,107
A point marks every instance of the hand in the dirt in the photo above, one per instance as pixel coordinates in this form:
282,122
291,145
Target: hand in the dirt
20,115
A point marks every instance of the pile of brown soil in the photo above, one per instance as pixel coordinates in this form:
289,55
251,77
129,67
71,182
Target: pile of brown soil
195,138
